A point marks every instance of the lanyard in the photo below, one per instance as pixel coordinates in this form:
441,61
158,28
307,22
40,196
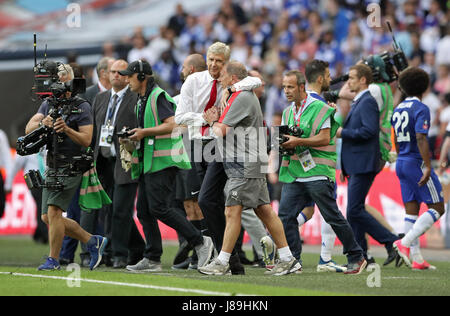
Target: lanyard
298,116
112,109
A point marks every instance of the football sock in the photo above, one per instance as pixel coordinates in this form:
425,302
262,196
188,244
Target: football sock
423,223
416,255
301,219
328,239
285,254
224,257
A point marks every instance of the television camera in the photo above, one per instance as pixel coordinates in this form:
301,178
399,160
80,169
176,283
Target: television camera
281,139
385,67
48,87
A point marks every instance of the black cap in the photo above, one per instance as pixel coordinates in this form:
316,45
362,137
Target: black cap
135,68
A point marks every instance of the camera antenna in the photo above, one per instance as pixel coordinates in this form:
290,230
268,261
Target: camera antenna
34,47
395,44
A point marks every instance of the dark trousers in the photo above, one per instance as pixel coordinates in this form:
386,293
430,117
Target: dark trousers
360,220
69,246
295,196
126,240
99,222
155,198
211,199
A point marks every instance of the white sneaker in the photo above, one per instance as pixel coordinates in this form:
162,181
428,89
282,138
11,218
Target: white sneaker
145,265
329,266
204,251
269,250
285,267
215,268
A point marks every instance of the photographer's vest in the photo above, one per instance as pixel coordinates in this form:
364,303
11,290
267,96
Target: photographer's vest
160,152
385,120
324,157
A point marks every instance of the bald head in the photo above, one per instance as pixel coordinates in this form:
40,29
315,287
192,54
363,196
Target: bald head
197,61
192,64
118,82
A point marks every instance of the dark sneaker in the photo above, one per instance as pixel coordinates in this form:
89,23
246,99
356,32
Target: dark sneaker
182,253
50,265
96,245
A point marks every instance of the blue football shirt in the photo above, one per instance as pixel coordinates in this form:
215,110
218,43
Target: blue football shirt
411,117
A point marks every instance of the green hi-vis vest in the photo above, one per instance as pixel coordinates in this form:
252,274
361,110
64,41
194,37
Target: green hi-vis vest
160,152
385,120
324,157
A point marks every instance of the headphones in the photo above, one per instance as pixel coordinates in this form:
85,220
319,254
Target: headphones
141,75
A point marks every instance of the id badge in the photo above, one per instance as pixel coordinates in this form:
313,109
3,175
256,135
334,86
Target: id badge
106,136
307,161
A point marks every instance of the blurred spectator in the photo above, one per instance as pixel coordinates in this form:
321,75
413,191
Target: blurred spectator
140,49
6,165
434,104
409,13
27,163
220,29
159,44
276,101
109,50
352,46
240,51
315,27
330,51
418,55
233,10
443,47
167,69
256,38
444,117
442,84
177,21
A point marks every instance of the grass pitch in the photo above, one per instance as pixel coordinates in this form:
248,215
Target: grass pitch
19,259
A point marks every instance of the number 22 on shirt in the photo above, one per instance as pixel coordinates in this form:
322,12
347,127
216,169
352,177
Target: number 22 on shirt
401,120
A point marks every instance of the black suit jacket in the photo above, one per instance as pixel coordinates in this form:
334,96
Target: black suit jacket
91,93
126,116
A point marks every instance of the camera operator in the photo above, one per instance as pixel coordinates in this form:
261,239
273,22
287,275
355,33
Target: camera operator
309,174
156,158
70,135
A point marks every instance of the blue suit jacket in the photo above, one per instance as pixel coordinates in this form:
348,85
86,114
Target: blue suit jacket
360,137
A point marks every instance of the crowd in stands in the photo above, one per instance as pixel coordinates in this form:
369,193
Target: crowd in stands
273,36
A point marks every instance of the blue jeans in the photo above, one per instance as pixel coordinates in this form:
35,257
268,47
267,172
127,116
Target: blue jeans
296,196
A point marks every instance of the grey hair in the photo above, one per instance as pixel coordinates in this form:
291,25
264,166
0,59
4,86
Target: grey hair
238,69
219,48
103,64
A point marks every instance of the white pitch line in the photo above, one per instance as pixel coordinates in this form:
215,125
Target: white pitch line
144,286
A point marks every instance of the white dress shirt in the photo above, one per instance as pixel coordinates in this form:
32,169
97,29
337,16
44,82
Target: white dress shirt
194,97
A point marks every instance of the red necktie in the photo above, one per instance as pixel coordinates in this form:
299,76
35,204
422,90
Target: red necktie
212,100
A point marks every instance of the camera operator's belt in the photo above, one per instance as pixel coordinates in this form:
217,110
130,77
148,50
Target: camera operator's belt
318,161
